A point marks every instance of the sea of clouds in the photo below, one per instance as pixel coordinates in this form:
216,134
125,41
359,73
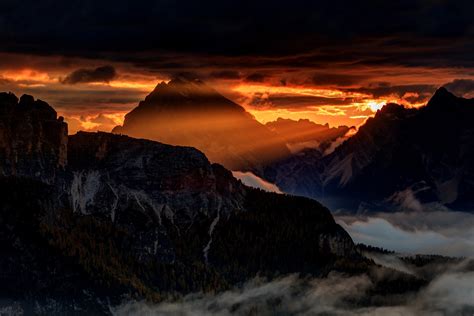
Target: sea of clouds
450,293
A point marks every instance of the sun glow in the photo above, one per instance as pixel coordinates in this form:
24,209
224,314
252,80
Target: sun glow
101,122
374,106
335,106
317,92
358,107
145,86
29,75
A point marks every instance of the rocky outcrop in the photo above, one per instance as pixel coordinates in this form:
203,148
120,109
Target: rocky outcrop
33,141
175,190
117,178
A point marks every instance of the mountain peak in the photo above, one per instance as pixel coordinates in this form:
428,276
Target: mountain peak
33,138
189,112
442,97
179,82
181,88
442,91
26,99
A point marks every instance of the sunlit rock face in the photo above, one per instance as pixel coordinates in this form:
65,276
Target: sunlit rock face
190,113
402,157
33,141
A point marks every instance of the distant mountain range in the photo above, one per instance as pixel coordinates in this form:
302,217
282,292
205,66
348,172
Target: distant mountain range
90,219
302,134
401,158
190,113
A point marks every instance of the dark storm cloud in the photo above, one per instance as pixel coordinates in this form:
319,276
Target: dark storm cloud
349,46
340,80
461,87
225,74
255,77
99,74
408,32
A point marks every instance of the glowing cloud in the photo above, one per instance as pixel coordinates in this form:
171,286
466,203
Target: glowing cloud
251,180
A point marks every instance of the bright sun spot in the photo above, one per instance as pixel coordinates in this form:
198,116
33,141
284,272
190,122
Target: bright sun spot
374,106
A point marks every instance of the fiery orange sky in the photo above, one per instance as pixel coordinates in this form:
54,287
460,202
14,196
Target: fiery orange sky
96,94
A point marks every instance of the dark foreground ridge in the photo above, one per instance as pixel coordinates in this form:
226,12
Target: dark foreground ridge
94,219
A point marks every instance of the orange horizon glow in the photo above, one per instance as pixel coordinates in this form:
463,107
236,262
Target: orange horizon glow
333,114
355,113
317,92
27,75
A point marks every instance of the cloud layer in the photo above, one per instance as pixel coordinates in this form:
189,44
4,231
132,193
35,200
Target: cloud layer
251,180
436,232
449,294
338,58
99,74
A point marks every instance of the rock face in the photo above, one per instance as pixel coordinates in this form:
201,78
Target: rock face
122,216
402,157
190,113
169,191
33,141
116,177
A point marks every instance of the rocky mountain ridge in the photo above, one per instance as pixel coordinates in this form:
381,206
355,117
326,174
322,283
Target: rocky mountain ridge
96,218
402,158
33,140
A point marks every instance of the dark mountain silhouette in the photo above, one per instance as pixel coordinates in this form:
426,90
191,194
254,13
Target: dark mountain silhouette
190,113
92,219
403,157
304,133
32,140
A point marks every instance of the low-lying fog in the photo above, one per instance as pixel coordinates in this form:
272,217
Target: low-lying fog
451,293
426,232
424,229
442,232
